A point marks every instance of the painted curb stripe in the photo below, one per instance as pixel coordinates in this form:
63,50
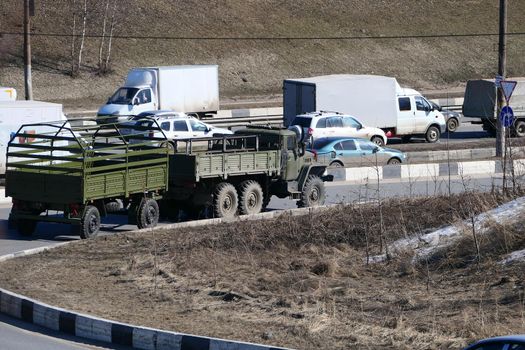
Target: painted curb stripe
26,311
67,322
121,334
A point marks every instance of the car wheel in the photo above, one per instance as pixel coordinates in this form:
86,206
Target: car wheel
452,125
378,140
337,164
432,134
393,161
519,128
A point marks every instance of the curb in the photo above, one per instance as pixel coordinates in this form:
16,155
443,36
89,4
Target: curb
430,170
93,328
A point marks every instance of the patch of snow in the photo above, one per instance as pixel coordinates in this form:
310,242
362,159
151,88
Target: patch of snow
518,255
425,245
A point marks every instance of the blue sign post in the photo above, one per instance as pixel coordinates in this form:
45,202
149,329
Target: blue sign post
507,116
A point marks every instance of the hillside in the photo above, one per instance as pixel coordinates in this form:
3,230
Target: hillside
257,67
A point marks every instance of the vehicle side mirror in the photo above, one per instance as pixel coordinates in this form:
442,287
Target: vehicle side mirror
136,102
375,150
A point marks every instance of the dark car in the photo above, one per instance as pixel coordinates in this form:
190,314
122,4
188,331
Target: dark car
452,118
509,342
339,152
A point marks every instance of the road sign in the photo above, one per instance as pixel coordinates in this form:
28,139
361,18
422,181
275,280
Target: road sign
507,86
507,116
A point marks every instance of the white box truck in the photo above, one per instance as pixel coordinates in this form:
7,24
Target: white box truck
188,89
481,102
7,94
13,114
376,101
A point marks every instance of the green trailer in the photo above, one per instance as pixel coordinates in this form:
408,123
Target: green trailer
239,174
59,173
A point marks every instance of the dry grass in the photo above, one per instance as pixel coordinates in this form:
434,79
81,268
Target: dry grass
300,282
249,67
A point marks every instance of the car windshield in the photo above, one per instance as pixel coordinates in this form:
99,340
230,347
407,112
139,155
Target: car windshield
123,96
302,121
321,143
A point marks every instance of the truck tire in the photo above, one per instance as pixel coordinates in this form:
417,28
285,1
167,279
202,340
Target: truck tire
147,213
26,227
225,200
114,206
452,124
90,222
378,140
432,134
313,193
519,128
250,197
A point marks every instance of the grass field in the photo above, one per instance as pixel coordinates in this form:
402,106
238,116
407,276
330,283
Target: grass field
300,282
257,67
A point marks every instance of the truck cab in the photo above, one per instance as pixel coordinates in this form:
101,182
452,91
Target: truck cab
128,101
416,115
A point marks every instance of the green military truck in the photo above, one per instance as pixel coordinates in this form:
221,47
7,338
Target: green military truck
240,173
76,171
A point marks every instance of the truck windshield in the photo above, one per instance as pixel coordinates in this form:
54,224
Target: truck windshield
123,96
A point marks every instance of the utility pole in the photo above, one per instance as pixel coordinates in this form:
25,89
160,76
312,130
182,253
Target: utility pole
502,58
29,10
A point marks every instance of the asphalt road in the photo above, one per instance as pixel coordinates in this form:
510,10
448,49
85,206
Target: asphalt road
15,335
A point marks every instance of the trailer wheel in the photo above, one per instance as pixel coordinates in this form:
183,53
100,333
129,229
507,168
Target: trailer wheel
313,193
452,125
148,213
519,128
250,197
90,222
432,134
26,227
225,200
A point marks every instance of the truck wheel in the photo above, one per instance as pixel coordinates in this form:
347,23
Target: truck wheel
114,206
26,227
452,124
250,197
225,200
147,213
519,128
313,193
378,140
432,134
90,222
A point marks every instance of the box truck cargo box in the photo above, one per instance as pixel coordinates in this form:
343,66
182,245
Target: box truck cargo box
375,101
188,89
13,114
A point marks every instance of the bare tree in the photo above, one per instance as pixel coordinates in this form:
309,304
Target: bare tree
111,32
73,37
83,35
103,37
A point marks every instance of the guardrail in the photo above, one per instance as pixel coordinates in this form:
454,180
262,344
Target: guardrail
269,116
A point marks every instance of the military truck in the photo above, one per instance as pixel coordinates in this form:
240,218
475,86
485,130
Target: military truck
53,167
240,173
76,171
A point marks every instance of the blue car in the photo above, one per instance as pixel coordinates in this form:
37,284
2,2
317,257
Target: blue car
351,152
509,342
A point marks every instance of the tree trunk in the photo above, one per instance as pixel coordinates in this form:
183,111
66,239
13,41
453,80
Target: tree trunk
101,68
110,41
83,36
73,37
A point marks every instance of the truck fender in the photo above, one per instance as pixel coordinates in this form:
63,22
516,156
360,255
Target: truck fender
307,170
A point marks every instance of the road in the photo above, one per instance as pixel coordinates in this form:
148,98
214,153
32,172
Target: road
15,335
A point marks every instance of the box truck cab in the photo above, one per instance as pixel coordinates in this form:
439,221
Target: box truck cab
377,101
186,89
